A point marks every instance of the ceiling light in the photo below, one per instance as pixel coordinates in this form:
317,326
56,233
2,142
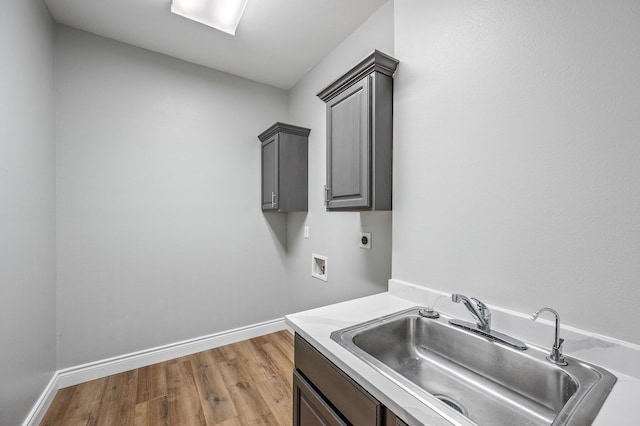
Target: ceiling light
223,15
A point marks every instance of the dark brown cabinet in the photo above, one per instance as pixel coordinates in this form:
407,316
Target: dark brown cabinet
360,136
309,406
285,176
324,395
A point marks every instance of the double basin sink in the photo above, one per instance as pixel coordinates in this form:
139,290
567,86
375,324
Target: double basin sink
470,379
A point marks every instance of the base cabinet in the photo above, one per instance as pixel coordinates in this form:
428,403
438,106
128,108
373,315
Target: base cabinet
324,395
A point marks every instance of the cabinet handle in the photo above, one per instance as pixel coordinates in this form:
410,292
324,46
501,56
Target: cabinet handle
326,195
273,199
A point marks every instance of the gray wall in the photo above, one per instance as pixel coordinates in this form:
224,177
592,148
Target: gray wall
160,233
515,180
353,272
516,156
27,208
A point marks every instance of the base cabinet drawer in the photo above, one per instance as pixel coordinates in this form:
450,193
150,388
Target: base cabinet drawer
323,394
309,408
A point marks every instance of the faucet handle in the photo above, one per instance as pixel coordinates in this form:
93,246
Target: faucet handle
481,305
482,308
556,354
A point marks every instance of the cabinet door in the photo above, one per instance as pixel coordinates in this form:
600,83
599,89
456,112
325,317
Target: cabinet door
391,419
270,174
349,148
309,408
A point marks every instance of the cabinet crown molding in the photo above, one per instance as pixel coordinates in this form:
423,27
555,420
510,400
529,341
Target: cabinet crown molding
376,62
283,128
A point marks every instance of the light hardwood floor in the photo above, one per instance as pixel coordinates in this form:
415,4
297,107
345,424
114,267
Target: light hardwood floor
245,383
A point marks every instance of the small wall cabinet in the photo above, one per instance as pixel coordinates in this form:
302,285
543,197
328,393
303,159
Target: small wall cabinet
285,152
360,136
324,395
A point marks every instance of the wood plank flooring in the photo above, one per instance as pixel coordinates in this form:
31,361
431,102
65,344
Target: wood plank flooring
245,383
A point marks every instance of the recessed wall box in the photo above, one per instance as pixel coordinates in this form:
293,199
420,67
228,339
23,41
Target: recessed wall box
319,267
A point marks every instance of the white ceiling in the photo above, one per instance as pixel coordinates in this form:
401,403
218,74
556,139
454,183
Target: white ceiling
277,41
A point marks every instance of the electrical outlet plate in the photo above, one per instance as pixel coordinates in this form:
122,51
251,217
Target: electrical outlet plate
365,240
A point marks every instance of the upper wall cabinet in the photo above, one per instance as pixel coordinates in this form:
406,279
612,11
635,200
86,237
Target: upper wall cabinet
360,136
285,174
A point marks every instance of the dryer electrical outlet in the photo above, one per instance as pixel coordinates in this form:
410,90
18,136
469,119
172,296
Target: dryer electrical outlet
365,240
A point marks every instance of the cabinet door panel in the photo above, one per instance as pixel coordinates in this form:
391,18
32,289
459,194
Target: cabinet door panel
348,148
309,408
270,174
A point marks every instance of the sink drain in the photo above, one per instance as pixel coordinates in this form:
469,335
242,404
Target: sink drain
453,404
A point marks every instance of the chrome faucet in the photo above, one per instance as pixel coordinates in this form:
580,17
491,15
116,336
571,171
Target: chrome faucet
479,310
555,356
482,315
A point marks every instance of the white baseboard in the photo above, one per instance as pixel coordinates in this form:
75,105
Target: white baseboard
42,404
107,367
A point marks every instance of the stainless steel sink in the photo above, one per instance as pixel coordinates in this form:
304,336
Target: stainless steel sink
466,376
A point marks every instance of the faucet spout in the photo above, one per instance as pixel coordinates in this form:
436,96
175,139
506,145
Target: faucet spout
555,356
479,310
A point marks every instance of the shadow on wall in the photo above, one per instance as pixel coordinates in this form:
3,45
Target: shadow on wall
278,228
296,222
378,264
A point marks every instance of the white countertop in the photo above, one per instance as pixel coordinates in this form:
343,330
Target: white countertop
316,325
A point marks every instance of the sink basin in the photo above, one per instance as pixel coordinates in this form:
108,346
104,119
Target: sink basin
470,379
